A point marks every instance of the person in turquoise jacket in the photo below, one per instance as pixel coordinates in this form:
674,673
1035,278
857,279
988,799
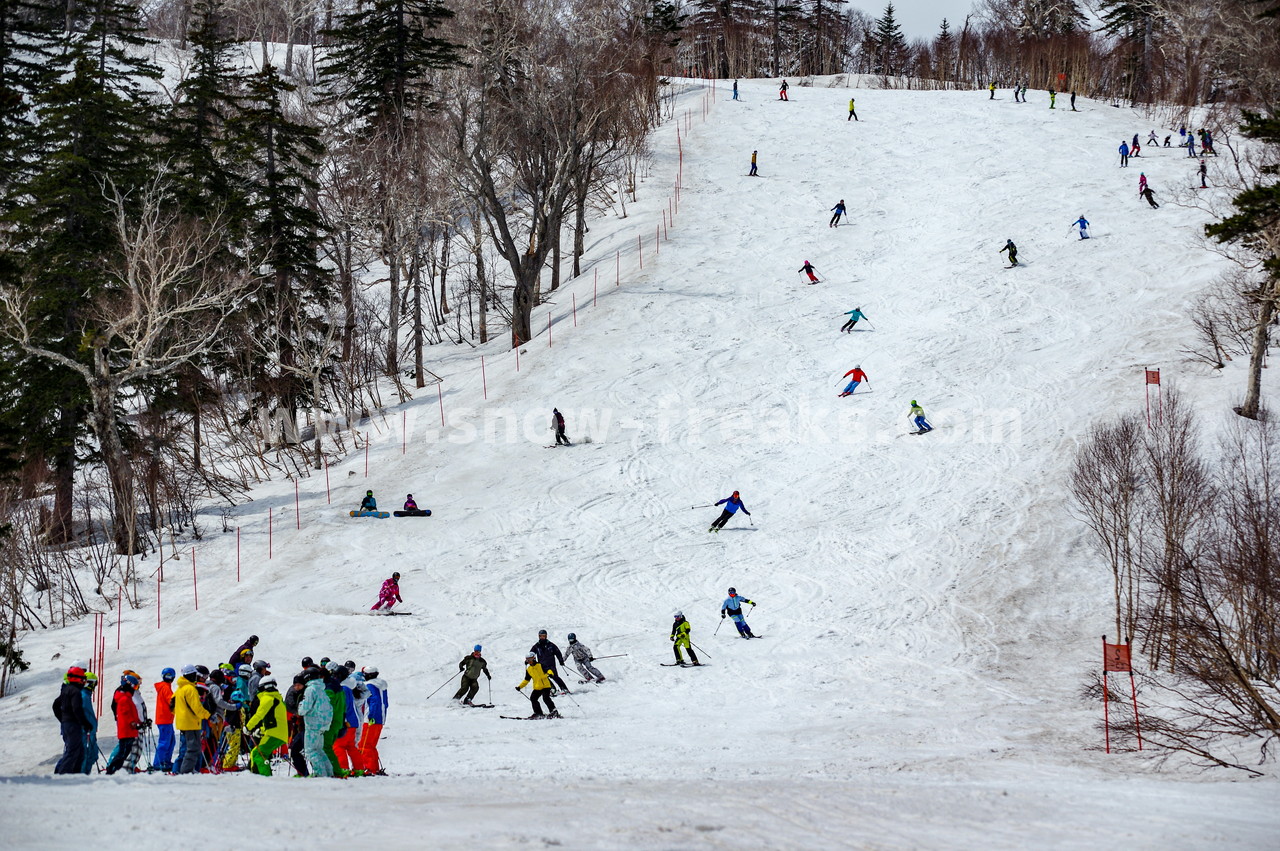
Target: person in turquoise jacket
91,733
854,315
317,712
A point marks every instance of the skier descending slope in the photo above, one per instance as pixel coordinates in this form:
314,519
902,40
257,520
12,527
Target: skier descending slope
680,637
921,423
854,315
1013,252
541,679
471,667
389,595
838,209
733,608
1083,224
731,505
549,657
858,377
557,425
809,270
582,658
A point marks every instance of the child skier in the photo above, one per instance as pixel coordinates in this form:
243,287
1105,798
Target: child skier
389,595
1150,196
127,722
1153,139
839,211
782,91
852,112
582,658
368,503
1013,252
1084,226
735,89
858,377
1142,182
731,505
917,413
680,632
733,608
1203,171
163,760
471,666
809,270
854,315
541,679
752,173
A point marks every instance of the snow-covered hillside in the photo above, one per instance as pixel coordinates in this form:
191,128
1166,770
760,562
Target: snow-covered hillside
931,610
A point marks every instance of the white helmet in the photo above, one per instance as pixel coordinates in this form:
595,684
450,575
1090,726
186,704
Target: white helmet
267,683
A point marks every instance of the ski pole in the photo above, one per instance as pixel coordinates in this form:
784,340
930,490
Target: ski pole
489,680
869,325
442,685
575,703
614,656
708,505
719,625
700,650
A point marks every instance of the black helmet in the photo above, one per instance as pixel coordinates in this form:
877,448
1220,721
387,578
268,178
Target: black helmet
408,496
542,632
573,637
733,590
307,662
313,673
202,670
368,493
349,665
253,639
395,575
260,665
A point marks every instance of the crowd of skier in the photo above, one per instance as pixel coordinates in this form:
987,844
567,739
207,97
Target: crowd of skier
232,717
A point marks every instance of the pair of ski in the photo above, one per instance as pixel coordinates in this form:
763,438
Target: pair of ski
684,664
532,717
476,705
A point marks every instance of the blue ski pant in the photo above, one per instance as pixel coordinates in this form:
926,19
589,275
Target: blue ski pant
853,385
164,748
922,424
90,752
313,747
72,761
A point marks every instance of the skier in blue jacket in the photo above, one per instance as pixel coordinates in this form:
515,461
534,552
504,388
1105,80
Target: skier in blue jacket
839,211
731,506
733,608
1124,155
1083,224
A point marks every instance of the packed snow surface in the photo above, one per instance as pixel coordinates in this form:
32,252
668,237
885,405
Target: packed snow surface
931,610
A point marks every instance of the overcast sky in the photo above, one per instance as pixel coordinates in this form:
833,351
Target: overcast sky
919,18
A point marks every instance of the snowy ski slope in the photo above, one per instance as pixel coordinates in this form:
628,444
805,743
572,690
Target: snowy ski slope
930,608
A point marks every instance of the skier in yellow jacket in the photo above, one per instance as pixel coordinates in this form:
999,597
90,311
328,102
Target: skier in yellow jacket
268,712
680,636
541,679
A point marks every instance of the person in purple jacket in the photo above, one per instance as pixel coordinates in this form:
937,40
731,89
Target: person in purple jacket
731,506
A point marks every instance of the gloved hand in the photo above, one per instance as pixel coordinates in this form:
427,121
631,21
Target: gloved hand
591,658
722,616
753,605
519,689
487,675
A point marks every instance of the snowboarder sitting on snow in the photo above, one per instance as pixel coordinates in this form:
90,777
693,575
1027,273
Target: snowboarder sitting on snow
409,504
809,270
582,658
680,631
731,506
390,593
733,608
1013,252
368,503
839,211
1083,224
549,657
557,425
854,315
858,376
541,679
918,413
472,666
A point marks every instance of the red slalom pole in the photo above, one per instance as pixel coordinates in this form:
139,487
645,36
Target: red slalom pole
483,383
574,296
237,554
297,508
657,235
120,613
595,290
440,399
195,591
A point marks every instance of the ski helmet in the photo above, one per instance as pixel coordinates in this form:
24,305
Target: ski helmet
476,649
332,667
189,670
202,670
130,680
267,684
168,675
408,496
261,665
542,633
75,674
253,641
313,673
369,671
529,656
573,636
913,403
396,576
307,662
217,677
90,680
735,493
679,616
226,666
733,592
324,662
368,493
245,670
857,366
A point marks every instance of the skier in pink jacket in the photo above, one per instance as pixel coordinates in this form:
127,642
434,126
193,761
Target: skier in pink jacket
389,595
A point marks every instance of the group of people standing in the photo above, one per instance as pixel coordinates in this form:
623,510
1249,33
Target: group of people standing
327,722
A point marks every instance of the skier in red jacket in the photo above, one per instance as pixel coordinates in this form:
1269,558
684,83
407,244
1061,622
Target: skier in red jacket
858,377
127,721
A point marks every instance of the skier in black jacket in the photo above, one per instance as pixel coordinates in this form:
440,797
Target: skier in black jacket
550,658
557,424
69,710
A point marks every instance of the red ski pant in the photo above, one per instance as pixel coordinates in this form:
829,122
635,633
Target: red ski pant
348,754
369,747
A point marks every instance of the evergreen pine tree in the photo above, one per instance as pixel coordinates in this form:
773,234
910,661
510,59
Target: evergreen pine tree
26,30
890,44
944,51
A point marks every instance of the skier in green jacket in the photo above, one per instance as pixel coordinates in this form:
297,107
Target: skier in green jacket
917,413
472,666
680,638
